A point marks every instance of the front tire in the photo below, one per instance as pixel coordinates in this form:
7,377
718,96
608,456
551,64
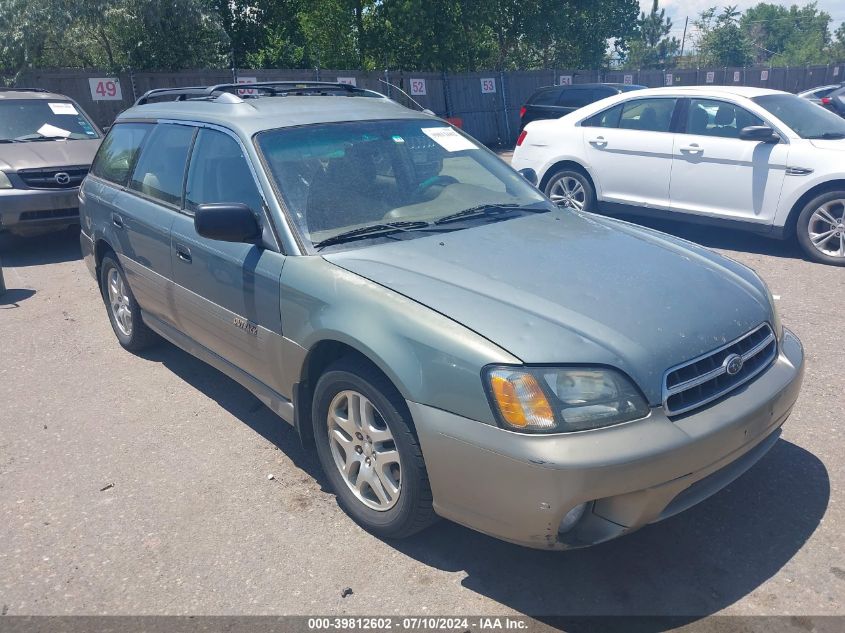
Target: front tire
820,228
571,188
368,451
124,312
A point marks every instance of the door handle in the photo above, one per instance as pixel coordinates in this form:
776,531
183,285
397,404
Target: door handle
183,253
694,148
599,141
117,220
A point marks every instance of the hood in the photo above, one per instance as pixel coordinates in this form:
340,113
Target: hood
41,154
563,287
835,144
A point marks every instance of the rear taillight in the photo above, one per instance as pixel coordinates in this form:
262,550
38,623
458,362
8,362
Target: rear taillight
521,137
826,100
522,112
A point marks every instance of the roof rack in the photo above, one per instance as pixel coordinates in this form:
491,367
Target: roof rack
11,89
266,88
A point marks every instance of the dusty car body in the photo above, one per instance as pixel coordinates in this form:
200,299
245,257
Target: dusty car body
550,377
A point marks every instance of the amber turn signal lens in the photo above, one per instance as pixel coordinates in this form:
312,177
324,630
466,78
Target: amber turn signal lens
521,401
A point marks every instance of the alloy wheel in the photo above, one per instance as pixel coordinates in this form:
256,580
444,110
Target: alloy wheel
568,192
826,228
364,451
119,303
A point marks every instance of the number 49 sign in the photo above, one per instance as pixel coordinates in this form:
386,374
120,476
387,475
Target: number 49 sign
105,89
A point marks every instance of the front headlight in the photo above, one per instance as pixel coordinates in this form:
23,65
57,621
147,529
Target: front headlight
5,183
562,399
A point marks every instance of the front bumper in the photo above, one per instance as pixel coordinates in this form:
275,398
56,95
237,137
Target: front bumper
23,209
518,487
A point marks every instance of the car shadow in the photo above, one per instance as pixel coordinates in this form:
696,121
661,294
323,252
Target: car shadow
671,573
722,238
13,296
50,248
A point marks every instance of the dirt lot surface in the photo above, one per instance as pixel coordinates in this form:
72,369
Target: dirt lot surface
139,484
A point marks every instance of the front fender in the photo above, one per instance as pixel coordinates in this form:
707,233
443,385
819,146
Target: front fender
430,358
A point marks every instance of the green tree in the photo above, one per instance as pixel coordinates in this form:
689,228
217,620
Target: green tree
721,41
787,35
651,46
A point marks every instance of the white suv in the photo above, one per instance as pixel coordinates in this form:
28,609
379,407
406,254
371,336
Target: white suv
746,158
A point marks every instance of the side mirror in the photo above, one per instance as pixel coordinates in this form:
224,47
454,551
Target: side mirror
227,222
530,175
759,133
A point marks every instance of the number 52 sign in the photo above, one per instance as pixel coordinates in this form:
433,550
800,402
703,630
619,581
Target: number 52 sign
105,89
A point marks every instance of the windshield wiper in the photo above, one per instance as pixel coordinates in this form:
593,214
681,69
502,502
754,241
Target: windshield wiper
828,136
373,230
485,210
10,140
41,137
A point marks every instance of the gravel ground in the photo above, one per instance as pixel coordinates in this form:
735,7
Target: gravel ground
139,485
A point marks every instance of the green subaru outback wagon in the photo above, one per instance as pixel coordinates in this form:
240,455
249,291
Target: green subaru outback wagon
449,341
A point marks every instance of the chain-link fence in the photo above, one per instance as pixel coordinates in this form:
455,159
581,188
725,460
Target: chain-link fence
485,104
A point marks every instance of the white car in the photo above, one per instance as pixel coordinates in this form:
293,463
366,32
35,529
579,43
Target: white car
746,158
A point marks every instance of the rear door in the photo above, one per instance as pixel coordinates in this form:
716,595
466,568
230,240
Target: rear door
137,225
629,151
715,173
227,294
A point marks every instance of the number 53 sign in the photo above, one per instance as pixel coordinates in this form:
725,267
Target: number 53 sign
105,89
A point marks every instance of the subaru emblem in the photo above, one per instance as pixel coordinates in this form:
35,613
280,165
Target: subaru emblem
733,364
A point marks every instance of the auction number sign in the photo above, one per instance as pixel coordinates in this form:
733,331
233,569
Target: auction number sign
710,77
736,76
488,85
566,80
105,89
349,81
243,92
670,78
418,87
628,80
764,75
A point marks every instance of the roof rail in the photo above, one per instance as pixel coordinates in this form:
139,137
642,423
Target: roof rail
267,88
11,89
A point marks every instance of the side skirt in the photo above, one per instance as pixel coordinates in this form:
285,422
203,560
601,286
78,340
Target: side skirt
277,403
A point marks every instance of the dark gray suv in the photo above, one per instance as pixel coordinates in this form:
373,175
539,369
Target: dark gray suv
449,341
47,144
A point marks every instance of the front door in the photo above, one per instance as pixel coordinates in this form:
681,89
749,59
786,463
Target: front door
717,174
227,294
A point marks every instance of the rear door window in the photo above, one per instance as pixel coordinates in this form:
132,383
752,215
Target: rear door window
652,115
220,172
160,170
605,118
117,154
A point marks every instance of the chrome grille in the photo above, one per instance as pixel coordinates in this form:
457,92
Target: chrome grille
46,178
697,382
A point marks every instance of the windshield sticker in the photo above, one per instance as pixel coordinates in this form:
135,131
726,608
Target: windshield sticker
86,127
448,139
52,131
398,139
62,108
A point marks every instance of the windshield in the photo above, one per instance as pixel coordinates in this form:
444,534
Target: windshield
806,119
37,119
339,177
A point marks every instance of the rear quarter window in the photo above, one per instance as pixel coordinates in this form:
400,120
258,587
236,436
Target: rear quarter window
117,154
160,169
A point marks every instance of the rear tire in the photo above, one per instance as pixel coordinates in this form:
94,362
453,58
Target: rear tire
363,434
571,188
124,312
820,228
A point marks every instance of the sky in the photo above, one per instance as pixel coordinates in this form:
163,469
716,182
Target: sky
677,10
